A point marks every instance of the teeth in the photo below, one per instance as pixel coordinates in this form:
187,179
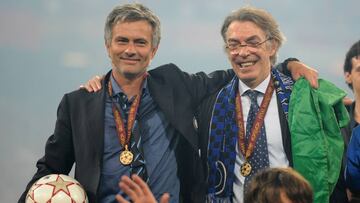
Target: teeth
247,64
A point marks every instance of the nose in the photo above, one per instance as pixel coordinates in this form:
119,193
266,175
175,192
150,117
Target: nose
242,51
130,49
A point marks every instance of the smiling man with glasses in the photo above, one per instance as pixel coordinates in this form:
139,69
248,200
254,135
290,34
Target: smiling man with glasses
247,126
244,127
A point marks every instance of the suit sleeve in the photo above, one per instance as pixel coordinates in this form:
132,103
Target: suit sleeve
201,85
282,67
59,154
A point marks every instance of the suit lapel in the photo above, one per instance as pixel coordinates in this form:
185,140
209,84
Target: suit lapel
163,96
96,114
176,110
283,86
96,109
285,133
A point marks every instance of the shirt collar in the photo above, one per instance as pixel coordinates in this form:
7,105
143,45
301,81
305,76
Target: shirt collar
117,89
260,88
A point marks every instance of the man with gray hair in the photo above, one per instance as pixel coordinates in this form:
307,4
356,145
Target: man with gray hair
252,39
253,112
134,121
141,122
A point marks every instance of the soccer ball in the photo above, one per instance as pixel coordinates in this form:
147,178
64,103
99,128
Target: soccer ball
56,188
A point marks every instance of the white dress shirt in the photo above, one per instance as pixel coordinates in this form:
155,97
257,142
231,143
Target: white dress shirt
277,156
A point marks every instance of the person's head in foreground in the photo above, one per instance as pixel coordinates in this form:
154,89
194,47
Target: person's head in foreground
279,185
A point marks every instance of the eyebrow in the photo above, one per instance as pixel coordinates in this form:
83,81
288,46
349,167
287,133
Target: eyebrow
247,39
233,40
140,40
253,37
120,38
126,38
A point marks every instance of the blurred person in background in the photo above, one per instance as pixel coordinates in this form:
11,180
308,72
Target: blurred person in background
352,159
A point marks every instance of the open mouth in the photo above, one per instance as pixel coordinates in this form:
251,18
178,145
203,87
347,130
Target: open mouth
246,64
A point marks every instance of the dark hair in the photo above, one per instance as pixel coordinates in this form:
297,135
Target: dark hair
266,186
353,52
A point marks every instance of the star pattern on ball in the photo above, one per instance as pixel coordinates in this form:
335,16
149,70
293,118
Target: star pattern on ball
60,185
31,191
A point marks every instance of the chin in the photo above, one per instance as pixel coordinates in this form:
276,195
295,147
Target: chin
248,75
247,80
132,75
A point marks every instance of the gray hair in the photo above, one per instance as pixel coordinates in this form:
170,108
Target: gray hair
262,19
132,13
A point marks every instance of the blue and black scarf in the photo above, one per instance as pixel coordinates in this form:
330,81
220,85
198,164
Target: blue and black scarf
223,136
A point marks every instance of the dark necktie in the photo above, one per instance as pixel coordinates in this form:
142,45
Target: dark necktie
260,156
138,164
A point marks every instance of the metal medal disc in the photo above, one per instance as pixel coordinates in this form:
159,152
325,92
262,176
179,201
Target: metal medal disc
126,157
245,169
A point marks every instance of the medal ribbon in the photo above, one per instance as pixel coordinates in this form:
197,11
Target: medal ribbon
125,134
255,129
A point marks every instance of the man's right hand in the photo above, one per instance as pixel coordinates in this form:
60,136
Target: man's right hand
93,85
138,191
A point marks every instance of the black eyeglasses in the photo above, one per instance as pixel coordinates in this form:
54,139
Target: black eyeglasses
235,46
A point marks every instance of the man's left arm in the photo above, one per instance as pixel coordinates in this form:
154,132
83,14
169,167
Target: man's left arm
296,69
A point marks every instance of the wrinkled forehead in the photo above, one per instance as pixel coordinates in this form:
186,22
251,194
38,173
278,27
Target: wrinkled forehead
135,29
243,30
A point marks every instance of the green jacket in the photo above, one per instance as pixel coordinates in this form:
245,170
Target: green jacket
315,119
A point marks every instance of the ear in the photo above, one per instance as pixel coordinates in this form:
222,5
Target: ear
348,78
107,46
153,51
273,48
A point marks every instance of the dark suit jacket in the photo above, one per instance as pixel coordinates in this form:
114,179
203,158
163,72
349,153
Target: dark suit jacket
79,132
339,194
204,118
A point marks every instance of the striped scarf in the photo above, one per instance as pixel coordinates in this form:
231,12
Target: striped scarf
223,136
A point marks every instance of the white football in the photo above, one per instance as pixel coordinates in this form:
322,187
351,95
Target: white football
56,188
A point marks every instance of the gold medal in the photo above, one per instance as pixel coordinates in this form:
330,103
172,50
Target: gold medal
126,157
245,169
246,146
